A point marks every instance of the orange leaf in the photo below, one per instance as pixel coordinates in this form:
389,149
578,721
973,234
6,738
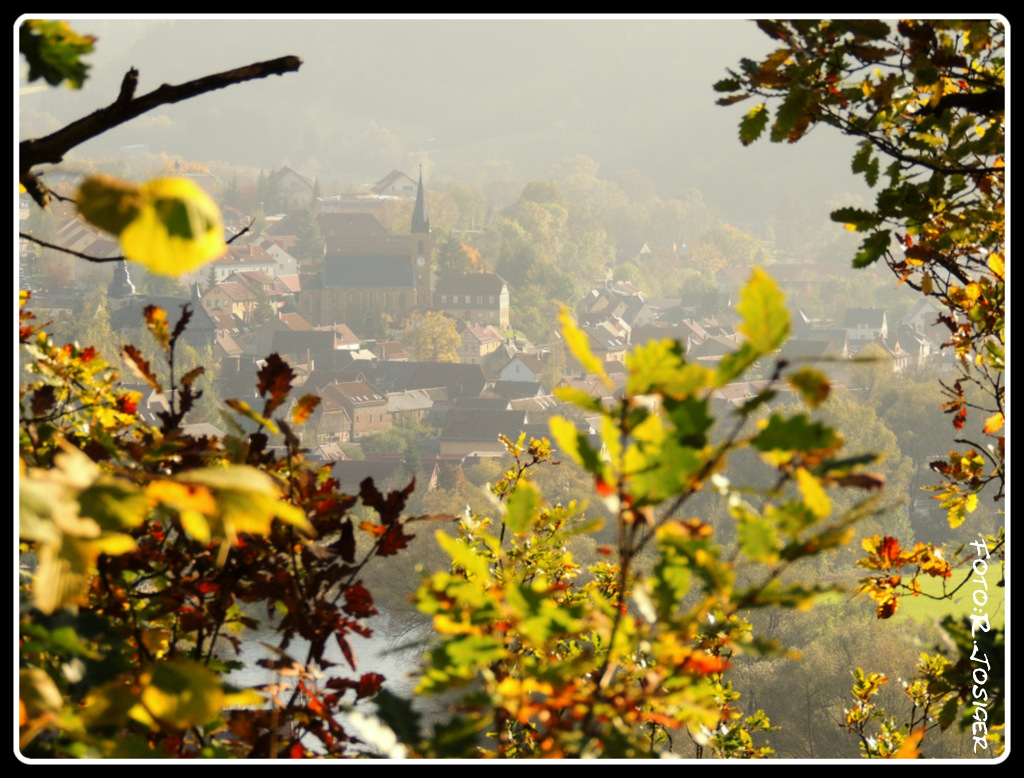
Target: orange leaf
911,747
993,423
704,663
373,529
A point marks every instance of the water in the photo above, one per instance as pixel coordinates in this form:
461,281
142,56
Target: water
394,653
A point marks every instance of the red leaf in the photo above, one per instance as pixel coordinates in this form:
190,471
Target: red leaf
889,549
359,601
369,685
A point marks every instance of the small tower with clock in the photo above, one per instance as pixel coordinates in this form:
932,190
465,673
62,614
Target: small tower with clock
422,249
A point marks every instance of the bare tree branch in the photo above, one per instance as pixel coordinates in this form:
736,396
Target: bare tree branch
52,148
90,257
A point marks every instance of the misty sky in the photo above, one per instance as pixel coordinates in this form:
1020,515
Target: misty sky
632,93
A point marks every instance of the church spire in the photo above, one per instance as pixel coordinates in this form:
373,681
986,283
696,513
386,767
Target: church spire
420,220
121,285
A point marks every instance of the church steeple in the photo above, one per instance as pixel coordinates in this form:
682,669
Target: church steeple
121,286
420,220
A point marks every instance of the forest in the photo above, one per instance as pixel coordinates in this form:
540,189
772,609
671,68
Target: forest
698,580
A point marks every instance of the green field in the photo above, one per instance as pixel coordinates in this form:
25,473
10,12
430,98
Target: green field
926,610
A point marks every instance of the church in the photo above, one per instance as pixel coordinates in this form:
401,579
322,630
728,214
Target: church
367,272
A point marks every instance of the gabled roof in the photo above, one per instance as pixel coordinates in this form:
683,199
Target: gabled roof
482,333
355,392
515,390
294,321
233,289
289,283
285,170
389,180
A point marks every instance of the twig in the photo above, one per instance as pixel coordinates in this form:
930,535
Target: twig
89,257
52,148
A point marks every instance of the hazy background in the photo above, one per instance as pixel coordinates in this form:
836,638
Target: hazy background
469,95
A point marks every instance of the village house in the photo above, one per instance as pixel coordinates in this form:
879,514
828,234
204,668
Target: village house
865,324
366,408
476,341
478,297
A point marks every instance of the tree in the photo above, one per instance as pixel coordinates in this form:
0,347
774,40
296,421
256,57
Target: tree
310,242
926,99
432,339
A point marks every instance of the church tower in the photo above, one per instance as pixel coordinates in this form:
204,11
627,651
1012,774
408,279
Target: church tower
121,287
422,248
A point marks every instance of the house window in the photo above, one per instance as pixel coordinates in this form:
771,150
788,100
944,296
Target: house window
444,299
491,299
479,299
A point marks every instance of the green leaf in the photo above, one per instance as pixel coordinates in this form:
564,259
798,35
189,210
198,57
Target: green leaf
691,419
522,506
753,124
52,50
660,366
788,119
765,318
758,538
812,385
579,398
464,556
795,434
857,218
872,248
400,715
727,85
733,365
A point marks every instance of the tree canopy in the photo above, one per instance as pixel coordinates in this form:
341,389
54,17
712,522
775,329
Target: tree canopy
927,99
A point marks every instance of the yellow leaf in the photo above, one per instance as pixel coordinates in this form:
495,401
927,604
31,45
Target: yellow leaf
196,526
813,493
993,423
997,265
926,284
177,229
181,693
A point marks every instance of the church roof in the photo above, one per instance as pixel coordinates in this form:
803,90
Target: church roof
362,271
352,225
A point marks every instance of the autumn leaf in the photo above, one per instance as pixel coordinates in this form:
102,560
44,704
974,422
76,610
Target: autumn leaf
993,423
169,225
